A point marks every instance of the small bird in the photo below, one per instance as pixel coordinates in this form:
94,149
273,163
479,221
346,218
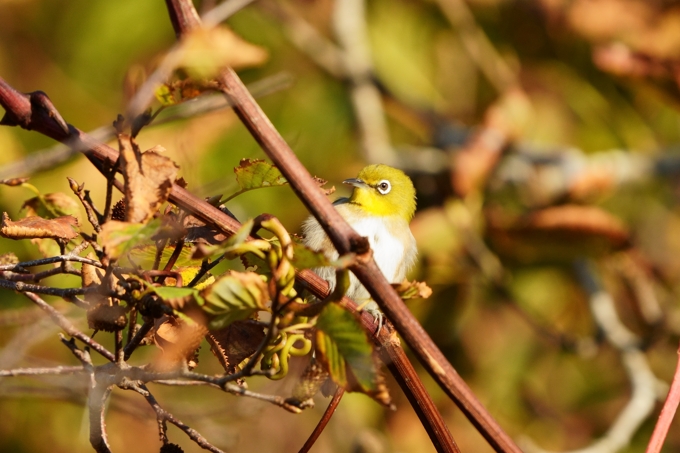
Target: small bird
380,208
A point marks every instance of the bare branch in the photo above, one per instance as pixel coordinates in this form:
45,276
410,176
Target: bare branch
65,324
57,370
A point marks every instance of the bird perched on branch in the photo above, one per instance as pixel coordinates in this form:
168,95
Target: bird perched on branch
380,208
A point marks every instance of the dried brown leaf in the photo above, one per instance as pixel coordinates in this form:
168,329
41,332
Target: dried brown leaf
235,343
62,228
412,290
148,180
178,340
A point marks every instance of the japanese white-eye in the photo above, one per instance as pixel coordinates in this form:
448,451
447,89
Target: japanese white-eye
380,208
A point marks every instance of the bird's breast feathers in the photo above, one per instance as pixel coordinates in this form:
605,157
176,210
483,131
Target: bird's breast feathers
394,248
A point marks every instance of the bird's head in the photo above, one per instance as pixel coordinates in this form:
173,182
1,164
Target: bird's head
382,190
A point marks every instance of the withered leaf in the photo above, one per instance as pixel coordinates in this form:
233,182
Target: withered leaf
412,290
309,383
178,339
148,180
62,228
235,343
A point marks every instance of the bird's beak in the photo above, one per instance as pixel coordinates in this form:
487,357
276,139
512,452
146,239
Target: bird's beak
356,183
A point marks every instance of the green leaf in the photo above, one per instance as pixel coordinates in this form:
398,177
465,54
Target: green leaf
144,256
255,174
306,258
343,346
120,237
176,297
52,205
234,296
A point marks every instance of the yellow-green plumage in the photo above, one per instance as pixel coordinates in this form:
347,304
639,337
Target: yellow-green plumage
380,208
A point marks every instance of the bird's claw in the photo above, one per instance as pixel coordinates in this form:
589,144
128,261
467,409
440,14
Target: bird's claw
372,309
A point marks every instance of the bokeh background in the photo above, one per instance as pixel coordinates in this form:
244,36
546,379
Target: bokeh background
542,137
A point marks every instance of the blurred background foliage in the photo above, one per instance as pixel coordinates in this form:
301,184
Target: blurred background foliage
540,133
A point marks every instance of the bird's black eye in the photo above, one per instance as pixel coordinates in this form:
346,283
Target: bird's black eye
384,187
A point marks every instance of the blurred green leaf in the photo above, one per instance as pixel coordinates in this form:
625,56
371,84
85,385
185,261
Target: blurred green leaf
119,238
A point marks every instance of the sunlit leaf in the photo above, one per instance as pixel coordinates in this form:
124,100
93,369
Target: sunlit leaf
148,180
343,346
234,296
52,205
120,237
176,297
255,174
63,228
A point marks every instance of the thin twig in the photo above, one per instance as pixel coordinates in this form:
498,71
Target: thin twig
57,370
162,415
328,413
668,410
65,324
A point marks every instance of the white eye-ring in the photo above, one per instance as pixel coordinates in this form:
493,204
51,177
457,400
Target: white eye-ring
384,187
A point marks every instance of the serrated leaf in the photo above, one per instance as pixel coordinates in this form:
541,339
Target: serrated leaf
231,245
176,297
343,346
306,258
63,228
255,174
235,343
148,180
234,296
120,237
